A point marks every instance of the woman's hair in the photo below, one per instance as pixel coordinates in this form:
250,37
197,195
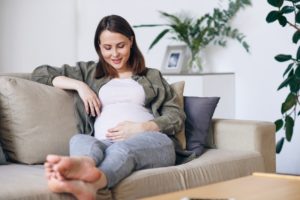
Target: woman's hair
118,24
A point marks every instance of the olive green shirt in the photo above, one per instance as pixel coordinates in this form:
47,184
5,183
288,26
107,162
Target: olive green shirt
161,99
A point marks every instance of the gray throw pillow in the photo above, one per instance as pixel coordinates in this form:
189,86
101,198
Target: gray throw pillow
199,112
35,120
2,156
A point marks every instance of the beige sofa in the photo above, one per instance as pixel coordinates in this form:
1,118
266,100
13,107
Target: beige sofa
241,147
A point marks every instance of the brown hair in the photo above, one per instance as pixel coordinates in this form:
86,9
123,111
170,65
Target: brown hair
118,24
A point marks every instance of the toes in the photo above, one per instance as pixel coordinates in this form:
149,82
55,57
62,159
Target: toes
53,158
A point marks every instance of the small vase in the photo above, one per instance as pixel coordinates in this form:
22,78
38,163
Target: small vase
195,64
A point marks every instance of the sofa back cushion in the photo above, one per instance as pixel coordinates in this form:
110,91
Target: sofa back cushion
35,120
199,112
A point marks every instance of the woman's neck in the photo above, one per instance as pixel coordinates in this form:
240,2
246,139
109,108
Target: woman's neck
125,74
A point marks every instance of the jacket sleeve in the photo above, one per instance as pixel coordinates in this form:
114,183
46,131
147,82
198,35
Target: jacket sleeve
45,74
170,118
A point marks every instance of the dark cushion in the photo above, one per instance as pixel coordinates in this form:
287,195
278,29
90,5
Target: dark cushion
2,156
199,112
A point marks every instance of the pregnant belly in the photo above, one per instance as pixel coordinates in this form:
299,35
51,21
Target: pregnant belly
111,115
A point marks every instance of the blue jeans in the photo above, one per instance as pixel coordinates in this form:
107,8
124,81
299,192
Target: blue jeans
118,160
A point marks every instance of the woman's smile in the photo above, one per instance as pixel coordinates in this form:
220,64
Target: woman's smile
116,60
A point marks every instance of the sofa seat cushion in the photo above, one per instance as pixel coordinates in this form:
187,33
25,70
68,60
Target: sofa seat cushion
149,182
28,182
214,165
217,165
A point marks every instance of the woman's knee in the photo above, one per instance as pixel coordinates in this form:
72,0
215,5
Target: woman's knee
158,138
77,138
153,148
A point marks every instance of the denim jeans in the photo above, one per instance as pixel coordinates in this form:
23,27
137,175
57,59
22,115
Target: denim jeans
118,160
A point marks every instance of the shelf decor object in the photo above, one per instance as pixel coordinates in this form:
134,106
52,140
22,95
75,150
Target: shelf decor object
197,33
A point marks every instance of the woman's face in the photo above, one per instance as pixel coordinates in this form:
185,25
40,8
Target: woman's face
115,49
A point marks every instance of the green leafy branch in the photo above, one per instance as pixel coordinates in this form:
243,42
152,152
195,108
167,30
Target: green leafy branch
198,33
291,74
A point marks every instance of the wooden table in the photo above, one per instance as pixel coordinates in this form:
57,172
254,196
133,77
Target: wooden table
259,186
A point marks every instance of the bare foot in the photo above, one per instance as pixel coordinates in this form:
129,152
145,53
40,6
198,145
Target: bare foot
80,189
48,170
50,173
81,168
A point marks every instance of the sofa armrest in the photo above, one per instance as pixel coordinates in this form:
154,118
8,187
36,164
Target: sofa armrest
248,135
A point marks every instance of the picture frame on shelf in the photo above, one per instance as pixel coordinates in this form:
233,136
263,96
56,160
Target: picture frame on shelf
175,59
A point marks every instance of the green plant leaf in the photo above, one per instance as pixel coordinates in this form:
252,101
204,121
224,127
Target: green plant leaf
298,54
298,17
276,3
282,20
279,145
285,82
278,123
290,101
148,25
297,71
272,16
289,67
293,82
287,9
289,127
158,37
296,37
174,19
294,85
283,57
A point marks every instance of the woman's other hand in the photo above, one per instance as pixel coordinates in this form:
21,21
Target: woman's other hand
128,129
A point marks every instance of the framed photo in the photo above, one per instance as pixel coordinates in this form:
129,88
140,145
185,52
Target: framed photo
175,59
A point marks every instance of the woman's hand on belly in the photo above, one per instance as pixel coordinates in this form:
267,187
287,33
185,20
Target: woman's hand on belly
128,129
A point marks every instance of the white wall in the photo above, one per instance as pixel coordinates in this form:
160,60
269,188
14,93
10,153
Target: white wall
35,32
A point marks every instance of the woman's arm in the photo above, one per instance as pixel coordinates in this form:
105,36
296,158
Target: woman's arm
90,99
71,78
169,115
82,71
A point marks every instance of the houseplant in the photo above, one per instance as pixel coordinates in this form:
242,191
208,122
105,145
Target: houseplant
287,13
197,33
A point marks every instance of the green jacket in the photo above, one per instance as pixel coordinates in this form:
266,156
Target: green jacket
161,99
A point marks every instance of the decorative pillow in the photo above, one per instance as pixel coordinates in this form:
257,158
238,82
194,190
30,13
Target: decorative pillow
2,156
36,120
199,112
179,88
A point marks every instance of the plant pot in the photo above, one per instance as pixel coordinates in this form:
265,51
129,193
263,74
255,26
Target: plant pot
196,63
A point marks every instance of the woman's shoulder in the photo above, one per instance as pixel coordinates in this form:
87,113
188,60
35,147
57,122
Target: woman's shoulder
153,73
87,64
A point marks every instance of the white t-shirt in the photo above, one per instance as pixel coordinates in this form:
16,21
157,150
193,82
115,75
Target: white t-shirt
122,100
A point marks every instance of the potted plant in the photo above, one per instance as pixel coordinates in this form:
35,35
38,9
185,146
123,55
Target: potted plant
197,33
291,74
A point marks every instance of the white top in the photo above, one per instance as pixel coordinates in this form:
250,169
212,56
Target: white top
122,100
